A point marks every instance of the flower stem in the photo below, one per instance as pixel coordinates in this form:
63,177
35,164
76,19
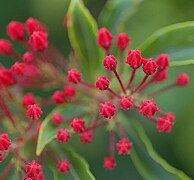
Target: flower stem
114,93
120,82
131,78
140,84
112,143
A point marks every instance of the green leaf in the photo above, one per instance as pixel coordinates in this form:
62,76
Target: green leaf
82,31
48,130
149,164
177,40
79,167
116,13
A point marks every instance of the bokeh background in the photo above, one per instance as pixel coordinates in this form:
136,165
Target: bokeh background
178,147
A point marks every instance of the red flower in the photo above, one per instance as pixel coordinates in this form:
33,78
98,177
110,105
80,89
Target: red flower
57,119
124,146
5,47
63,135
149,66
134,59
102,83
107,110
148,108
74,76
123,40
163,61
33,112
4,142
58,97
78,125
6,78
16,30
86,137
182,79
69,91
38,41
125,103
161,75
28,57
104,38
33,169
63,166
110,63
28,99
170,116
18,68
109,163
164,124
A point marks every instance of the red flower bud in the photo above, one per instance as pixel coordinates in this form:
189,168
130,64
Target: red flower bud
161,75
134,59
125,103
123,40
164,124
109,163
86,137
110,63
63,135
107,110
104,38
18,69
78,125
16,30
102,83
149,66
6,78
74,76
28,99
33,169
124,146
63,166
57,119
28,57
32,71
148,108
33,112
69,91
5,47
170,116
4,142
58,97
163,61
38,41
182,79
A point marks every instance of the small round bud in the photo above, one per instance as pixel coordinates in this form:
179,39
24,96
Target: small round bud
149,66
124,146
38,41
182,79
28,57
33,169
125,103
78,125
18,69
104,38
16,30
107,110
63,135
4,142
123,40
33,112
58,97
109,163
74,76
57,119
164,124
148,108
6,78
63,166
5,47
28,99
86,137
102,83
110,63
134,59
161,75
69,91
162,61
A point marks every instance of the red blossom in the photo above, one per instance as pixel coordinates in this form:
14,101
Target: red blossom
33,112
69,91
57,118
63,135
123,40
161,75
110,63
33,169
134,59
125,103
102,83
107,110
86,137
28,57
74,76
162,61
78,125
18,68
58,97
124,146
4,142
6,47
6,77
63,166
28,99
149,66
164,124
182,79
109,163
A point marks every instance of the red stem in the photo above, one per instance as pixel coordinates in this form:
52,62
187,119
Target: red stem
114,93
94,126
112,143
140,84
120,82
131,78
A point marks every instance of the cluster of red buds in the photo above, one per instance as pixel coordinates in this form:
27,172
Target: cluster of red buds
43,67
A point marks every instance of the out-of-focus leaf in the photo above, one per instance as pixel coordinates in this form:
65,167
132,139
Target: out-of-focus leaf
48,130
82,31
149,164
116,13
79,167
177,40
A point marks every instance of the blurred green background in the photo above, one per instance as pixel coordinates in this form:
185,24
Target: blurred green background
178,147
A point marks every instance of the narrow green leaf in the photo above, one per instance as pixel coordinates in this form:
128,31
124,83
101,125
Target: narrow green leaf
48,130
116,13
182,63
82,31
79,167
177,40
149,164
